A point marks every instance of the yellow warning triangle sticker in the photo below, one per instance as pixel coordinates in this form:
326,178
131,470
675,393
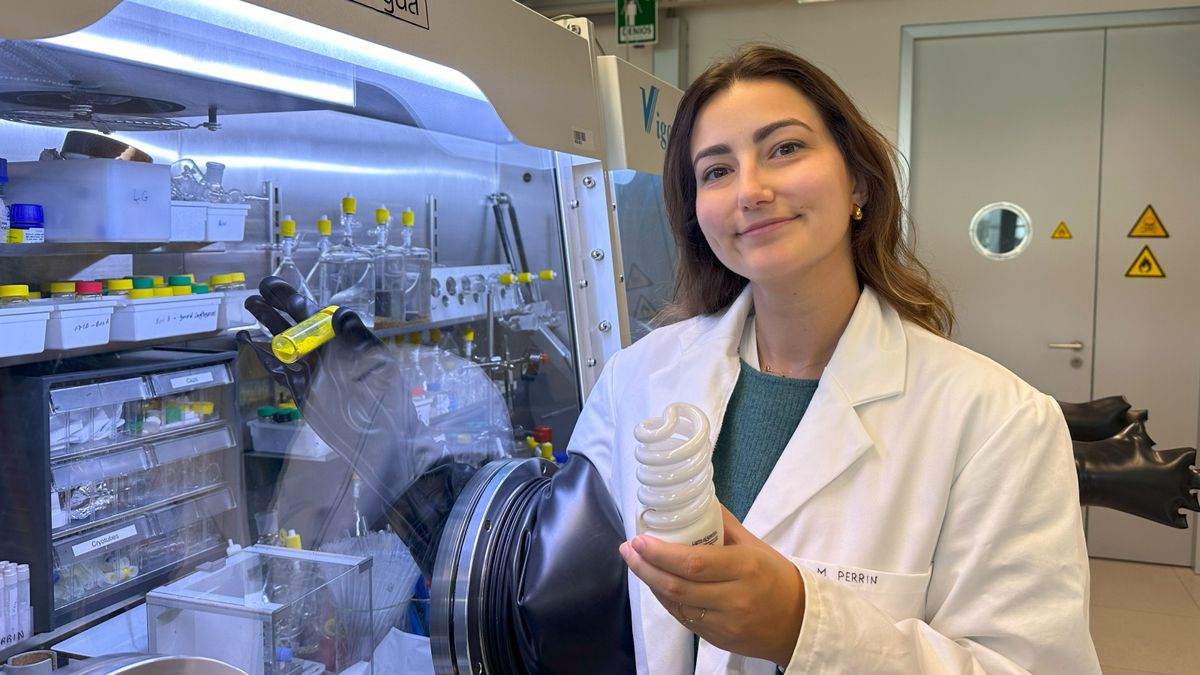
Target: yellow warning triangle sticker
1146,266
1061,232
1148,225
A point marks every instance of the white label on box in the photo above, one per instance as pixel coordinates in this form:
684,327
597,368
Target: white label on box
90,324
195,378
104,540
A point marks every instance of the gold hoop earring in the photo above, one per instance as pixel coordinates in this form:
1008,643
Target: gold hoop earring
858,214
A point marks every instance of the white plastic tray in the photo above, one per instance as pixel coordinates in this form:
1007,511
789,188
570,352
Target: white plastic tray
295,439
226,222
23,328
233,312
79,324
152,318
188,220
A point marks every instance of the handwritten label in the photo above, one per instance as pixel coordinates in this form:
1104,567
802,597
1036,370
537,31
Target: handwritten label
191,380
86,325
182,317
104,540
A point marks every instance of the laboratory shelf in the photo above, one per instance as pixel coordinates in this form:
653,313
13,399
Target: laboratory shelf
105,248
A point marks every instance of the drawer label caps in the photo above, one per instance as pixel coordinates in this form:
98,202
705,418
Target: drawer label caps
189,380
104,540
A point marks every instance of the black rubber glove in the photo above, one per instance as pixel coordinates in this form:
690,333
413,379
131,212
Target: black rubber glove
355,396
570,586
1126,473
1100,419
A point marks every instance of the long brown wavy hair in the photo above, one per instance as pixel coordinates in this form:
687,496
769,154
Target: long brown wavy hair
883,258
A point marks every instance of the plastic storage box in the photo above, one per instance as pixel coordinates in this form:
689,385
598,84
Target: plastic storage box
23,329
152,318
79,324
188,220
226,222
233,312
105,200
267,611
287,439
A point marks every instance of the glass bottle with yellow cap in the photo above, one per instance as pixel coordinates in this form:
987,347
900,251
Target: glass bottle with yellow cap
418,271
287,269
220,282
346,276
324,230
12,295
62,290
118,287
390,285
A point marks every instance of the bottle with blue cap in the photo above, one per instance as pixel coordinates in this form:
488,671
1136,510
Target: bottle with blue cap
26,224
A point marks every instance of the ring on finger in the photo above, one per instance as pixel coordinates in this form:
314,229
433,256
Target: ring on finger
689,620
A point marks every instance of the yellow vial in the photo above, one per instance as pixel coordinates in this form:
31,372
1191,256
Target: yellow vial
324,226
547,275
303,338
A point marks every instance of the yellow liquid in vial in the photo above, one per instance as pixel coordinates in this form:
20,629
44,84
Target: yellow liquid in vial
305,337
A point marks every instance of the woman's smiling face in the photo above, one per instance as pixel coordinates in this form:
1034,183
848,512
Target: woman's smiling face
773,193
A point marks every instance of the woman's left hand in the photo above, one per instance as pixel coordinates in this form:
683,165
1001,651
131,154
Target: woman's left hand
744,597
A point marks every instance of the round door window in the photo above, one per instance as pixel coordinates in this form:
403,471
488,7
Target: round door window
1000,231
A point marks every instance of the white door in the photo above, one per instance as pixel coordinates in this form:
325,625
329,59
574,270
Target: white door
1081,130
1148,328
1013,118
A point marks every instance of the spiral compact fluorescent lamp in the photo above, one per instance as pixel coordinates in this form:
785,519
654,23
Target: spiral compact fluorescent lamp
676,476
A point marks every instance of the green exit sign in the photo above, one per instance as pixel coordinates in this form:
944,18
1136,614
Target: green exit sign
637,22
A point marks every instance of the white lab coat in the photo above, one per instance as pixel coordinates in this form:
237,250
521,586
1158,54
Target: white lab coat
928,497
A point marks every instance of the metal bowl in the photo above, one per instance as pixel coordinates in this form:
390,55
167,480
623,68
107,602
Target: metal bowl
150,664
85,144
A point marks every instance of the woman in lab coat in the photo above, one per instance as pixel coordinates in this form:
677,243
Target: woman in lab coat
923,516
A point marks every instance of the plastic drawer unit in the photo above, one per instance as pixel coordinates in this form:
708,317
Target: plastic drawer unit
119,473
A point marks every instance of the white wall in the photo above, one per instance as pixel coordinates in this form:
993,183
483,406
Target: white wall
855,41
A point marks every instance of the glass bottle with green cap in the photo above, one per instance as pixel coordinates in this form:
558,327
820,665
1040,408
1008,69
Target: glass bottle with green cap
143,283
199,289
181,284
14,294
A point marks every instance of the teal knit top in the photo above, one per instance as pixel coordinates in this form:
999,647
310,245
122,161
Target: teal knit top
763,413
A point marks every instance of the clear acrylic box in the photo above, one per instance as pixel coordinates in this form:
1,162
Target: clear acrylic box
269,611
